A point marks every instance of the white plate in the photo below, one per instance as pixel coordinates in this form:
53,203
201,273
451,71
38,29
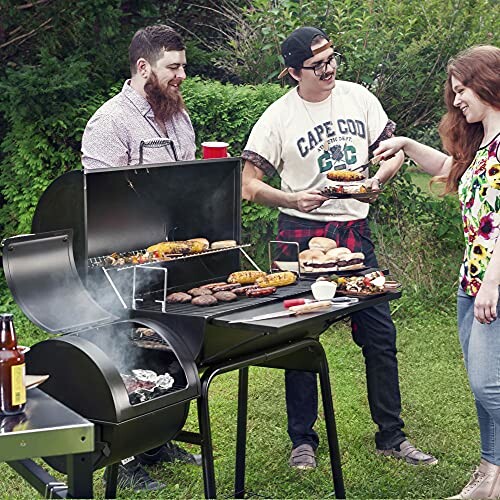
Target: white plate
33,381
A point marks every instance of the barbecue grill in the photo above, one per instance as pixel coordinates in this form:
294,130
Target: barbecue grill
63,279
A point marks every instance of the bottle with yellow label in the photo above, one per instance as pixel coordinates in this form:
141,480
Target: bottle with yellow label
12,370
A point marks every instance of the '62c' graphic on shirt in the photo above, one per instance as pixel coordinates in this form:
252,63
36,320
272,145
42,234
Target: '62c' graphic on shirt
341,151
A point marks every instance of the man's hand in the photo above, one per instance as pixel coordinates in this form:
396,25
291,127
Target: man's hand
485,305
374,184
307,201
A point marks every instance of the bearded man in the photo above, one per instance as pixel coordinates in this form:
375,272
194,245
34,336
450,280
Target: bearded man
149,106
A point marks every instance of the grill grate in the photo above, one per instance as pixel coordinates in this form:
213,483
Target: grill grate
125,260
241,303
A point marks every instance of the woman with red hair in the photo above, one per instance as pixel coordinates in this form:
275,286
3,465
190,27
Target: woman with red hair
470,131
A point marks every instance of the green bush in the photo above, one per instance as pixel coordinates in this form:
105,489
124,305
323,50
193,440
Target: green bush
227,112
397,48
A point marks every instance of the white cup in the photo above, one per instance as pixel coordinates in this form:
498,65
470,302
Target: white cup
323,290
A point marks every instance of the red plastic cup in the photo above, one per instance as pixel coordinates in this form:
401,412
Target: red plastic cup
214,150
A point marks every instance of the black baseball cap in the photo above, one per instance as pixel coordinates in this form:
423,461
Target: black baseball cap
297,47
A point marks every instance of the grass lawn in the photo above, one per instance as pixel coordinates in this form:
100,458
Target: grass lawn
438,411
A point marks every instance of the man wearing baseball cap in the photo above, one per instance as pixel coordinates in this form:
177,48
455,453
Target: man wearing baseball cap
324,125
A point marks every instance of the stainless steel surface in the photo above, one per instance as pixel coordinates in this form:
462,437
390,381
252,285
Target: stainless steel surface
46,428
266,316
300,322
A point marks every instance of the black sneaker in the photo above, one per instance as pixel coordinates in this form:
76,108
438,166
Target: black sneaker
168,453
132,475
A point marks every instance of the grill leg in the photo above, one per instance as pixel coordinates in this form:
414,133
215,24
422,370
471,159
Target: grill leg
111,475
207,453
241,434
80,475
331,428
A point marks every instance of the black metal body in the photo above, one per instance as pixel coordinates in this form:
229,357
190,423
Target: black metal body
85,216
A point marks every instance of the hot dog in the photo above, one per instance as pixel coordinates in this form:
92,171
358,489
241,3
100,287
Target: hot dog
209,286
261,292
226,287
242,290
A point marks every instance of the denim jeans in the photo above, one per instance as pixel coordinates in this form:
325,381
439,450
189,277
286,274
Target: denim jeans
481,348
373,331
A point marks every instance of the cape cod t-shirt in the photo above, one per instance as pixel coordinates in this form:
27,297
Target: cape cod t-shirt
304,140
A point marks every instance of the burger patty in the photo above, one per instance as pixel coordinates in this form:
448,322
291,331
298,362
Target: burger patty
351,262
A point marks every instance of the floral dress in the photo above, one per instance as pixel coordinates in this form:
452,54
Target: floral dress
479,194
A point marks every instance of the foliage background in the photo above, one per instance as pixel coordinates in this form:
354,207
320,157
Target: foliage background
60,60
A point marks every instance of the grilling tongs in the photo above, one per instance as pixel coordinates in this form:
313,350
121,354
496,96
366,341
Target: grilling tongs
311,307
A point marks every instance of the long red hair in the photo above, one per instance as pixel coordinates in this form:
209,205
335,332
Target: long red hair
478,69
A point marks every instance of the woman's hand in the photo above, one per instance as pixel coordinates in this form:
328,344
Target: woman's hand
485,305
390,147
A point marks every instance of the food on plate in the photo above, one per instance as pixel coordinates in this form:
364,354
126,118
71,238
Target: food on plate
346,188
373,282
196,292
337,253
179,298
344,175
315,261
225,296
351,261
245,277
277,279
226,287
204,300
321,243
261,292
216,245
336,259
198,244
242,290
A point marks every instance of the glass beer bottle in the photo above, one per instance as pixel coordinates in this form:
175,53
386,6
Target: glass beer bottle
12,369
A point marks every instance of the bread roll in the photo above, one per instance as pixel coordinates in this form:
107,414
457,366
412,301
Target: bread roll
337,253
310,255
323,244
351,261
223,244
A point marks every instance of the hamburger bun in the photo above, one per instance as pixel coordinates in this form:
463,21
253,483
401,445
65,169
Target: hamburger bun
216,245
311,260
354,267
337,253
351,261
310,255
323,244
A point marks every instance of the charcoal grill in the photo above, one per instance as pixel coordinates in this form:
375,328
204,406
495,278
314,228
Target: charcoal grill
60,278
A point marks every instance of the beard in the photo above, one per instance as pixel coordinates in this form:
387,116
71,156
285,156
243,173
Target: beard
164,100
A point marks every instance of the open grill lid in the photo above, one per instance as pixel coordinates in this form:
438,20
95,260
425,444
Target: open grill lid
89,214
41,274
129,208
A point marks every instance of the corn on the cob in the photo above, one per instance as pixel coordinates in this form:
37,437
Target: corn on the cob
277,279
245,277
170,247
198,245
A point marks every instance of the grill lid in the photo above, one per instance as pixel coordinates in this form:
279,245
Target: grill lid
41,274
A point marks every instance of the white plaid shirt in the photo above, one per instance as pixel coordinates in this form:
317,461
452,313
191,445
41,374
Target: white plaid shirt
113,134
